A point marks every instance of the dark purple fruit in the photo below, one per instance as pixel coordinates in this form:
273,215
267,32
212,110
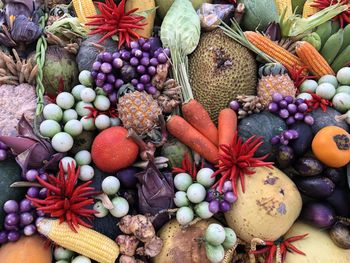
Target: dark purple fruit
285,156
308,166
315,187
318,214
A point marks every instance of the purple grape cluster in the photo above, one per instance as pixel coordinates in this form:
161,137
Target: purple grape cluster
285,137
221,202
21,216
136,64
290,109
4,151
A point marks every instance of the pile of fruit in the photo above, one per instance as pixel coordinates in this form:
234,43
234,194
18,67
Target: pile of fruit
171,131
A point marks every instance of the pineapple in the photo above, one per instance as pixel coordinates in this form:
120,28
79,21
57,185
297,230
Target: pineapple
274,78
139,111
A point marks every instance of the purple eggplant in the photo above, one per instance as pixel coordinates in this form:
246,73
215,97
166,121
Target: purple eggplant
318,214
336,175
315,187
285,156
127,177
307,166
339,200
302,144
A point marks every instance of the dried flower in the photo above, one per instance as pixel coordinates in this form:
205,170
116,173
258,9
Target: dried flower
65,200
114,20
156,192
30,150
317,101
237,159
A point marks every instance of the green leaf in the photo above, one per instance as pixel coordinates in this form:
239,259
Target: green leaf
145,13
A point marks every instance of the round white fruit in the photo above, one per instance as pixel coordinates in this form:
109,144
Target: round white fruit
76,91
73,127
204,177
110,185
69,114
120,207
81,108
182,181
83,157
49,128
102,122
85,78
88,124
343,76
68,161
62,142
102,103
65,100
325,90
196,193
86,172
88,95
52,112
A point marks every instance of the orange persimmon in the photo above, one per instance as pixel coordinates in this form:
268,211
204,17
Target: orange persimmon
331,145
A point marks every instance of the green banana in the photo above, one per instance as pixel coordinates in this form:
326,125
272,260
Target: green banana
341,59
332,46
335,26
324,31
346,38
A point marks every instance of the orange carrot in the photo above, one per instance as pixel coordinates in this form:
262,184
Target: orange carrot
227,123
188,135
199,118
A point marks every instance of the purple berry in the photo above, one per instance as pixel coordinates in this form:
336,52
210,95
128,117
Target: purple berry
273,107
117,63
101,76
43,193
230,197
154,62
11,206
234,105
152,70
96,65
292,108
106,68
118,83
115,55
290,120
289,99
107,57
302,107
26,218
113,98
3,237
134,44
43,176
144,61
11,219
146,47
138,53
25,205
3,146
210,196
227,187
13,236
299,101
275,139
298,116
162,58
283,104
140,87
94,74
110,78
99,82
141,69
134,82
145,79
288,135
214,206
294,133
126,55
152,90
33,192
277,97
29,230
108,88
309,120
134,61
167,52
284,114
224,206
31,175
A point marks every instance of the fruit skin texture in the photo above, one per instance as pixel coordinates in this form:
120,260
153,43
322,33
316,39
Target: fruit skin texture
268,208
112,150
174,238
275,84
139,111
328,151
232,73
317,246
27,249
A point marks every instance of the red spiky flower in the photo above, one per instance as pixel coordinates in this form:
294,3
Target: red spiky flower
187,166
237,160
285,246
297,74
65,200
111,112
343,17
113,20
317,101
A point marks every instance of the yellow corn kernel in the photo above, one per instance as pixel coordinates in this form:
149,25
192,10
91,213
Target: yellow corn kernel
273,50
282,5
85,241
308,9
313,59
84,9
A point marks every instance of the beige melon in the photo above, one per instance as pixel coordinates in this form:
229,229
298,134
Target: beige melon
268,208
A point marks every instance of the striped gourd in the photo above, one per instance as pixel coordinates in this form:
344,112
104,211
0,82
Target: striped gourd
84,9
85,241
308,9
313,59
272,49
284,5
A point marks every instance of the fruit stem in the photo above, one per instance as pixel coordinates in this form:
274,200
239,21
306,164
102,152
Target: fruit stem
106,202
239,12
146,149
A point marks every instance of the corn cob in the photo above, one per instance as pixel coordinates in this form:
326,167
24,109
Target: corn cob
273,50
308,9
84,9
282,5
85,241
313,59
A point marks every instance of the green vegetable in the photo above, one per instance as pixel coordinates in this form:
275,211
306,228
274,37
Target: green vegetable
202,210
346,39
298,6
184,215
341,102
164,5
295,25
324,31
196,193
181,199
341,59
180,32
326,91
258,14
328,79
215,234
204,177
335,27
214,253
230,238
332,47
182,181
344,89
49,128
314,39
343,76
308,85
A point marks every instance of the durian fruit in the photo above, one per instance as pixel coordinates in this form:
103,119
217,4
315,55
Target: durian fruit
274,79
219,70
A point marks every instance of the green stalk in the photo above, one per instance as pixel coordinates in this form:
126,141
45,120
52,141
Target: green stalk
237,34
